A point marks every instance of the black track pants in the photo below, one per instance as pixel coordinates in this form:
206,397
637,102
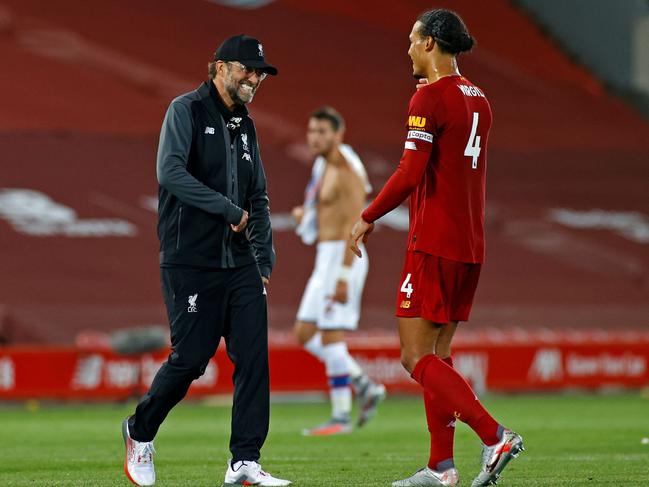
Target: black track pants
204,305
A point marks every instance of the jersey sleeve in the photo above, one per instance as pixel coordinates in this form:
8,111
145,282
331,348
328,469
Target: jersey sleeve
402,182
421,123
421,128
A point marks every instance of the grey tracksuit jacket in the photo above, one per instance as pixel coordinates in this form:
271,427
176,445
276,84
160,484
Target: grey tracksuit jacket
209,170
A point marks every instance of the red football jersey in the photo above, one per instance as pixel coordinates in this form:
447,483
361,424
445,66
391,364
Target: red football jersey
443,170
450,119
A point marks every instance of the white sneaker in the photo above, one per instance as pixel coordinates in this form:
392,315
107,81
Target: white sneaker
250,473
425,477
138,462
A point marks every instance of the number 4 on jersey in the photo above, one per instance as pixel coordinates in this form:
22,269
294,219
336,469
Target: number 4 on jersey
406,287
472,148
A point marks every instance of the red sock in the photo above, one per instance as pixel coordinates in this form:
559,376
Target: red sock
441,425
444,383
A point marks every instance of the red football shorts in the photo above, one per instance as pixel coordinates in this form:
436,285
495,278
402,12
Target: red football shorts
436,289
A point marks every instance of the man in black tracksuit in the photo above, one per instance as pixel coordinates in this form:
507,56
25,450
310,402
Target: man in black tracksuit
216,256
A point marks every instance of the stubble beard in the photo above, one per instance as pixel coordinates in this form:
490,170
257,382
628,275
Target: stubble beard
238,93
324,151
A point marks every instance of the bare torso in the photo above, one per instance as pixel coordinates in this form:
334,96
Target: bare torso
340,200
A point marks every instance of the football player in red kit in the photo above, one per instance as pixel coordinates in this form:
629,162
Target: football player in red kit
442,170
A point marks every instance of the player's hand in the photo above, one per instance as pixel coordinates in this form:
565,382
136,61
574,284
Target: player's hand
340,294
265,281
242,224
421,82
298,213
360,230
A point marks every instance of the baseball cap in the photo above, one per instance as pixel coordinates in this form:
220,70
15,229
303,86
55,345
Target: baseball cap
245,49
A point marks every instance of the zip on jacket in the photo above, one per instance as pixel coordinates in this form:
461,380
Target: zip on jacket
207,176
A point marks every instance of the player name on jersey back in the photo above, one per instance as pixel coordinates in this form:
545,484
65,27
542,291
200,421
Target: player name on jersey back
471,90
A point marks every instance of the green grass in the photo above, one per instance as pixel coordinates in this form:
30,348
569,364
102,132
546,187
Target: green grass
581,440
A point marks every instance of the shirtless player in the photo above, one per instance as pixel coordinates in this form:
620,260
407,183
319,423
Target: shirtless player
332,299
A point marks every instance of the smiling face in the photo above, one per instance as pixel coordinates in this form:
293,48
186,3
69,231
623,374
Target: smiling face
239,84
418,50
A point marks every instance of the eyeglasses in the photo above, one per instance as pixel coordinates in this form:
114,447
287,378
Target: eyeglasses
261,74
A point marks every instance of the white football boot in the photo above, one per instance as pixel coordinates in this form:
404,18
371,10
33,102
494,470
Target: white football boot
138,462
495,458
334,426
425,477
250,473
368,400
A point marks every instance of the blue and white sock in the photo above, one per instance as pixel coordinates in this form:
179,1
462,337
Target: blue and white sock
337,366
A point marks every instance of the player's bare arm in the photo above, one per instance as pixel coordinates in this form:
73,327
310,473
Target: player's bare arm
353,196
331,217
341,199
340,294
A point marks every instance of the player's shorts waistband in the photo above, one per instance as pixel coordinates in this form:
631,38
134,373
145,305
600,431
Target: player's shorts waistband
330,255
335,244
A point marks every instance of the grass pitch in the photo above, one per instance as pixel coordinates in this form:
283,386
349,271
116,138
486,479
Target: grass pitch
582,440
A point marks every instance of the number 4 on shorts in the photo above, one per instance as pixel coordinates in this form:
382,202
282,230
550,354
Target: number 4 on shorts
406,287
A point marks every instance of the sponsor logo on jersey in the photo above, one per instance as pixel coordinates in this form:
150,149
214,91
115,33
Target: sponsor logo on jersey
416,122
209,130
405,304
423,136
